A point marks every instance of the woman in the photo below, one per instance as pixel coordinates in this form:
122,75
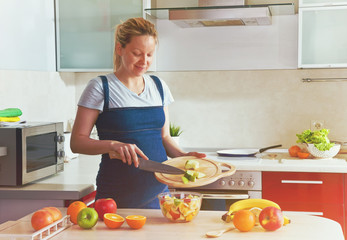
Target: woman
129,109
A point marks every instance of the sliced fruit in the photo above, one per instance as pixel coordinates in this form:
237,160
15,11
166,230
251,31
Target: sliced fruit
185,180
256,211
192,164
136,221
113,220
199,174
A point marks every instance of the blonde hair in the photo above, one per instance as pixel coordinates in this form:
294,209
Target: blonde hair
126,30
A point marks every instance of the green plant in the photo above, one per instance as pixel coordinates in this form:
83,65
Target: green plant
175,131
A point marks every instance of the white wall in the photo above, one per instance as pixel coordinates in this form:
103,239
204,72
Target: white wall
42,96
218,109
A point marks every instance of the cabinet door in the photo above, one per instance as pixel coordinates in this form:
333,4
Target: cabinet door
85,32
27,40
319,194
322,37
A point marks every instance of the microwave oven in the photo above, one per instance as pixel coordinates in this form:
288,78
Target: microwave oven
30,151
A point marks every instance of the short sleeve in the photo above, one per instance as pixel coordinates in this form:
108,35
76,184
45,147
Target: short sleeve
168,98
93,96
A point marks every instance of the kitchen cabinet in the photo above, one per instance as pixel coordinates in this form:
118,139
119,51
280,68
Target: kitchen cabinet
85,32
27,39
63,35
322,36
310,3
320,194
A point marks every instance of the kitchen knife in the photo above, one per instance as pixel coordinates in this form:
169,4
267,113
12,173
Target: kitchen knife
152,166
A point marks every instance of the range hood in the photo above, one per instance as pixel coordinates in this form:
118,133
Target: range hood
210,13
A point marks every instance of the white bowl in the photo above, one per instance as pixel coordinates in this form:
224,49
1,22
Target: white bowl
332,152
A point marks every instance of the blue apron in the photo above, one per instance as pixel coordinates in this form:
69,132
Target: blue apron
129,186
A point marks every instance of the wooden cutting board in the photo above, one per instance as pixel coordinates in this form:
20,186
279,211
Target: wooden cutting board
212,169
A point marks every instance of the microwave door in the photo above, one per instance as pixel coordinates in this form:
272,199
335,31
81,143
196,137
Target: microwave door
39,153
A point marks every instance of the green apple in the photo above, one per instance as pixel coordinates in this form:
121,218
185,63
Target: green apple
87,218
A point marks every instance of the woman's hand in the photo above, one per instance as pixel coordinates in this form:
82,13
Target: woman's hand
196,154
126,152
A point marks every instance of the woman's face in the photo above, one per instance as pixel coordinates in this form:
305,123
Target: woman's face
137,56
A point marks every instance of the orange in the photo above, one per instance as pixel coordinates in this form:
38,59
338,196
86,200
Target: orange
41,219
293,150
136,221
56,213
113,220
244,220
73,210
303,155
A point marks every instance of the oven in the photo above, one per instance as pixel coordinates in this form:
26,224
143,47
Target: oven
220,194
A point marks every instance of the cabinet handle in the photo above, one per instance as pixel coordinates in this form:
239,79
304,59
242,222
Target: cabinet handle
301,182
225,196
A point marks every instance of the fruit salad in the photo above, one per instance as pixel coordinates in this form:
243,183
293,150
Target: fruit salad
180,209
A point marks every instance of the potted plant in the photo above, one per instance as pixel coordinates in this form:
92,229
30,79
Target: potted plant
175,132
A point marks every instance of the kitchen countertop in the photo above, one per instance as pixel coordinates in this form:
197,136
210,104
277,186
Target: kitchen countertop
76,181
278,160
78,177
157,227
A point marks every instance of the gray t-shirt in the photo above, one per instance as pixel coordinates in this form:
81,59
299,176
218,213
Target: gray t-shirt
120,96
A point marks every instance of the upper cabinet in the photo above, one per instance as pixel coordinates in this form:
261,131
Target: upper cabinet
311,3
63,35
85,32
27,39
322,34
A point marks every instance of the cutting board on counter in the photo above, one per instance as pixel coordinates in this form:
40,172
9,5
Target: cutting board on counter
212,169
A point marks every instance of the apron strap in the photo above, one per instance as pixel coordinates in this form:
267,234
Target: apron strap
106,91
159,86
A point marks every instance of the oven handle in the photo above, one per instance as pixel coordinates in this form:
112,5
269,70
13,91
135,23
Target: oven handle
225,196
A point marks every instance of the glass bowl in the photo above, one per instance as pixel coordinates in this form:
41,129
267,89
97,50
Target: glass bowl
332,152
180,206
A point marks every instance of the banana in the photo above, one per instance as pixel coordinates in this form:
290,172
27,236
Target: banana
286,220
255,205
247,204
251,203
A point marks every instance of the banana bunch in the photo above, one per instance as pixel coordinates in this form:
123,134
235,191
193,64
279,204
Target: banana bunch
253,204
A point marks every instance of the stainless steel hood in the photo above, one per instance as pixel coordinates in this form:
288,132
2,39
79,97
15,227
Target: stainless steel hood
210,13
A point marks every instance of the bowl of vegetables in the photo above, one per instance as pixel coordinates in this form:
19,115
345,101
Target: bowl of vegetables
318,144
332,152
180,206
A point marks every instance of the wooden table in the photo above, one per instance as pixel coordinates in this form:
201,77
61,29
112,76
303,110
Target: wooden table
303,227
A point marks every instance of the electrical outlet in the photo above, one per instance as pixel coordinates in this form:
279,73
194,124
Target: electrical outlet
317,125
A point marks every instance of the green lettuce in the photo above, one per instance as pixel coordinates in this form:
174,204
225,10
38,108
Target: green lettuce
319,138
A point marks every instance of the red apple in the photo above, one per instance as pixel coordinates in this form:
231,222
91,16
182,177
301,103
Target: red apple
105,205
271,218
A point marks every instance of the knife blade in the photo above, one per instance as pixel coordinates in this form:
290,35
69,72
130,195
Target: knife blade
152,166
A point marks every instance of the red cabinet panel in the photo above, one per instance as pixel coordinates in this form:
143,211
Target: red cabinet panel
307,192
303,187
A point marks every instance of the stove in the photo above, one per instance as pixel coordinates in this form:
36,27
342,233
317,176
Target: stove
223,192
